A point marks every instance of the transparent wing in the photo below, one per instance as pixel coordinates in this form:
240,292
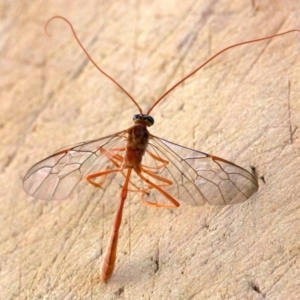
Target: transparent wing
187,175
199,177
55,177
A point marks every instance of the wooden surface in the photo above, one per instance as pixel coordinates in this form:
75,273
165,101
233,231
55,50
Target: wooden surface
244,106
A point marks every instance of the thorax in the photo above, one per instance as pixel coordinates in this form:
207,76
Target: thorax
137,142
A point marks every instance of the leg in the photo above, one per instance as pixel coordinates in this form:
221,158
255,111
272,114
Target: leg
98,174
152,185
157,177
112,158
157,158
164,161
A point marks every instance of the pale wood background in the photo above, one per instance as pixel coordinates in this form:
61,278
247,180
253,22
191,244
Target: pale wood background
244,107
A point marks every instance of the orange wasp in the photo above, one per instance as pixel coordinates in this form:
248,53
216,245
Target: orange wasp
157,169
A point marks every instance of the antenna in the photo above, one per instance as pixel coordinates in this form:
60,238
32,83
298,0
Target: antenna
213,57
90,58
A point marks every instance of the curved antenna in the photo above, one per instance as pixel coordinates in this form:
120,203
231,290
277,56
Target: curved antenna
90,58
211,58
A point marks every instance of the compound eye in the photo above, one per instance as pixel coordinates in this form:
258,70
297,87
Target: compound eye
150,120
136,117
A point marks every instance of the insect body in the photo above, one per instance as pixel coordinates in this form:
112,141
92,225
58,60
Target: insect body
162,172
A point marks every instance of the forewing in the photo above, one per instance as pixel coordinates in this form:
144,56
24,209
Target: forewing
55,177
199,177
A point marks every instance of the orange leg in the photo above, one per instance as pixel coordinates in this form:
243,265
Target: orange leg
118,149
109,153
165,180
164,161
152,185
157,158
118,165
108,263
108,171
98,174
112,158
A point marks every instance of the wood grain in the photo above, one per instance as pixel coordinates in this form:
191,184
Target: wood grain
244,106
